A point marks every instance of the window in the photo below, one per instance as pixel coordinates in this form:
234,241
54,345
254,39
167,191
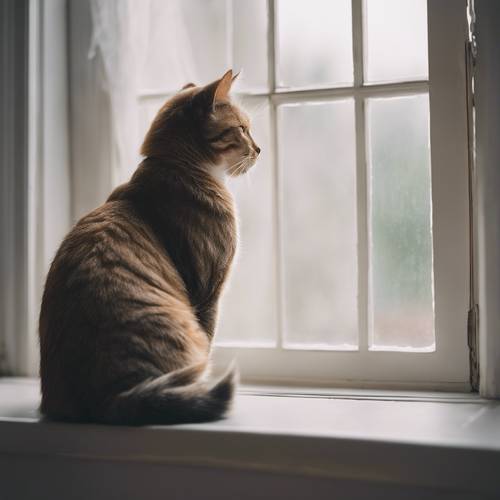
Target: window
353,263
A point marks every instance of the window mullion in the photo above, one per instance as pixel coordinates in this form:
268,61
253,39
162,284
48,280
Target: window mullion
357,42
271,45
362,216
277,214
361,174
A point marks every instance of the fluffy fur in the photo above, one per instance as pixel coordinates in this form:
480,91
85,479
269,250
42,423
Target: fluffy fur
130,302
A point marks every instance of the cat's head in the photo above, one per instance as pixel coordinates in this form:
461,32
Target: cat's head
201,126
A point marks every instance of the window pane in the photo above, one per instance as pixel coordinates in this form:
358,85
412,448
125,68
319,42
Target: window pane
206,21
248,309
314,41
250,44
318,168
179,42
395,40
401,290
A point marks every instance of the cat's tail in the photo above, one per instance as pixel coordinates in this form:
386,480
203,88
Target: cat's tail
177,397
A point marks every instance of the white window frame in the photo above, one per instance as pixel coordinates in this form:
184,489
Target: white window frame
448,366
49,213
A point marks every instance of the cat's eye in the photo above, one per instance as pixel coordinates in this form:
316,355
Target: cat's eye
221,136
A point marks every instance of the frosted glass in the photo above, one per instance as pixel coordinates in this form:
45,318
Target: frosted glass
395,40
249,310
207,25
198,40
179,42
250,44
401,290
314,41
318,169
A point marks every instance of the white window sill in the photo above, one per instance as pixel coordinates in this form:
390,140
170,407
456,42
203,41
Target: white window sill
449,442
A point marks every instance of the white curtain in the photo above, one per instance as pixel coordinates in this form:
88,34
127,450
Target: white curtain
145,49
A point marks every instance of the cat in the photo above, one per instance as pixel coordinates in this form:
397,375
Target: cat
129,308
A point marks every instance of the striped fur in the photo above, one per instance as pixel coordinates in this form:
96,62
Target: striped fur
130,302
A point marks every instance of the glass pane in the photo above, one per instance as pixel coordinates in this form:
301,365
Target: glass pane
401,290
248,310
318,168
395,40
250,44
207,25
178,42
314,41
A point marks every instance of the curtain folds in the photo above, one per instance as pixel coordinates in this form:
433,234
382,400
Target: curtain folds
145,50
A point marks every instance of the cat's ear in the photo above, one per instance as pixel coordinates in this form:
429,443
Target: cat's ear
188,86
223,87
217,91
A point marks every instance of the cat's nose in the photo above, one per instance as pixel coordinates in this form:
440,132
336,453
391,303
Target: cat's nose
257,149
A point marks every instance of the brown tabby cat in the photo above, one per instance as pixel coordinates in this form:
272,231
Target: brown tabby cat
130,303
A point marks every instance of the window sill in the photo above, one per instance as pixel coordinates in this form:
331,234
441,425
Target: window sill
449,442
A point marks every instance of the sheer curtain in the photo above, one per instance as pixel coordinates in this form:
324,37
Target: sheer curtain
145,49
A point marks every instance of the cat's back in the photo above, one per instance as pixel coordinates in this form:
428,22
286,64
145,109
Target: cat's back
95,238
105,253
108,270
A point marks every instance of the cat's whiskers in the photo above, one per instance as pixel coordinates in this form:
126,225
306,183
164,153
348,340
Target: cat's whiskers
242,165
235,169
248,176
232,168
